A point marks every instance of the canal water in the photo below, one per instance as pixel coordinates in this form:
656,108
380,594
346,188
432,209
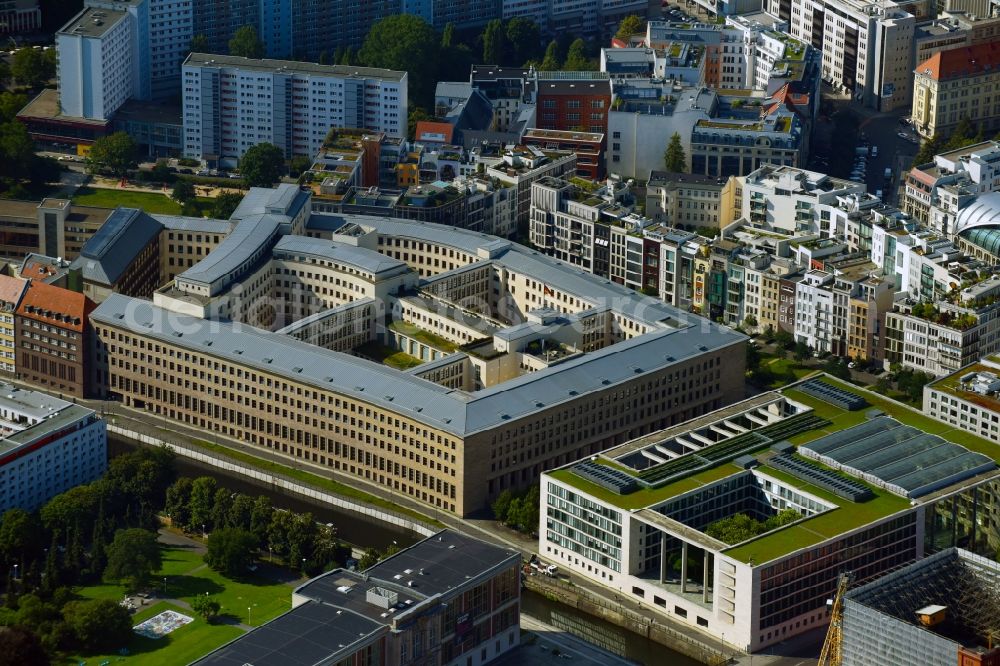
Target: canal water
600,633
360,532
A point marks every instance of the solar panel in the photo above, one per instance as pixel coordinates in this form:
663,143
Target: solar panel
833,395
900,458
839,485
611,479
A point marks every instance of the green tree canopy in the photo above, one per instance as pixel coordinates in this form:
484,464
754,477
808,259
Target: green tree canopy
21,646
262,165
405,42
674,159
523,39
31,68
99,624
133,556
630,25
183,191
225,204
493,43
246,43
207,607
550,62
447,35
116,153
10,104
199,44
501,504
576,57
231,551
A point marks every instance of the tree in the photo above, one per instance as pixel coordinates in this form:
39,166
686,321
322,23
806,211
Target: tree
630,25
99,624
502,504
674,159
202,494
753,357
230,551
550,63
199,44
133,556
576,57
241,512
349,56
447,35
523,39
493,43
260,518
10,104
5,73
20,534
207,607
262,165
324,57
961,135
19,645
16,150
405,42
183,191
299,165
221,506
225,204
178,500
115,153
801,351
30,68
784,339
416,115
368,559
245,43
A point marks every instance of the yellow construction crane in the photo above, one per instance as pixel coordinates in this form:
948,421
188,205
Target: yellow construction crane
831,655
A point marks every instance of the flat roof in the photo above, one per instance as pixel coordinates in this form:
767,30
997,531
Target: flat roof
846,515
50,413
46,106
292,66
93,22
311,633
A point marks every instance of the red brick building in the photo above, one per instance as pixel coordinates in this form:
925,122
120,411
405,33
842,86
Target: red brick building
577,104
52,338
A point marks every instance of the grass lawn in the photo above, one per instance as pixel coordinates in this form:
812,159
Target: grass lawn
181,646
315,480
781,368
421,335
187,577
147,201
389,356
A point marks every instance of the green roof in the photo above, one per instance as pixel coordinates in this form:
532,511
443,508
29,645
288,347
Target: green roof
845,517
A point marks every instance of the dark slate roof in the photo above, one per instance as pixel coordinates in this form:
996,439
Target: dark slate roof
312,633
116,244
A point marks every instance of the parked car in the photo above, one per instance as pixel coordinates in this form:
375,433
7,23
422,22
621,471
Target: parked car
874,151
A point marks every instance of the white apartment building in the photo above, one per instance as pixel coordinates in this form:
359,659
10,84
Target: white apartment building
867,46
171,28
968,399
795,201
49,446
97,70
231,104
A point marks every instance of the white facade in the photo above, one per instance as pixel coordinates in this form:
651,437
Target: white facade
867,47
171,28
49,446
794,201
231,104
97,72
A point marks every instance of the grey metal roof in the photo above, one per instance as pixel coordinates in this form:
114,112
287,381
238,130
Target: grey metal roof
312,633
53,414
195,224
361,258
292,66
116,244
282,355
250,235
439,407
285,199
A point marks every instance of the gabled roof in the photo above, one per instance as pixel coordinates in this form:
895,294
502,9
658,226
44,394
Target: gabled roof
110,251
430,131
11,289
961,62
55,305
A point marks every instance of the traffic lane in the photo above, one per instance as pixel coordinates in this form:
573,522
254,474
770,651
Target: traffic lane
894,152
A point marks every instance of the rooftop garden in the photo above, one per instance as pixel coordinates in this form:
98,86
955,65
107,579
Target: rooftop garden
388,356
424,336
742,527
768,545
930,312
952,385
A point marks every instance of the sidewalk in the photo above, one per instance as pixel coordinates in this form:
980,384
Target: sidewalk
489,530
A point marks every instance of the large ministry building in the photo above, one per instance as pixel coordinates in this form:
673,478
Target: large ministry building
723,523
446,364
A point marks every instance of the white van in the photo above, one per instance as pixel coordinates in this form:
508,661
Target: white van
874,151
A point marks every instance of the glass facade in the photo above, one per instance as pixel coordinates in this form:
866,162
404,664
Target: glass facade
584,527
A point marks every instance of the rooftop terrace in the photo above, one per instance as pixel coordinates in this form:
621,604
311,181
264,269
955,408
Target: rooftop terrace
804,418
